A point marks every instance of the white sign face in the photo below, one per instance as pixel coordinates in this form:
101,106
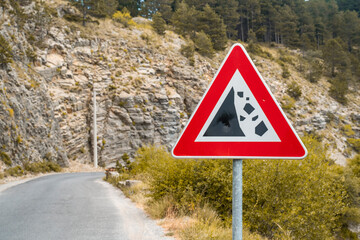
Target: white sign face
237,117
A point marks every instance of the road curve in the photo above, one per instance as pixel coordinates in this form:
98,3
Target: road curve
73,206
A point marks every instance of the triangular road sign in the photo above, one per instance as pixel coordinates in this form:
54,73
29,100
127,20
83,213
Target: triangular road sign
238,117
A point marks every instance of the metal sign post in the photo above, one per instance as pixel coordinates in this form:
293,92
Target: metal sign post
237,200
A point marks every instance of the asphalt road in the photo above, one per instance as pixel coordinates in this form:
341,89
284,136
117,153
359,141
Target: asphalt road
72,206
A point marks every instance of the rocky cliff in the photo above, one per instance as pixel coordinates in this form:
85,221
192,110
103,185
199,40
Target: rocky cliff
145,89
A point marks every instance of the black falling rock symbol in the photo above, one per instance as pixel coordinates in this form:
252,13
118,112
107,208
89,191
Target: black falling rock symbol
242,118
255,118
261,128
225,122
248,108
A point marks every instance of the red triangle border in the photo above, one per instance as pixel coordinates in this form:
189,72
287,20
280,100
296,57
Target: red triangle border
290,145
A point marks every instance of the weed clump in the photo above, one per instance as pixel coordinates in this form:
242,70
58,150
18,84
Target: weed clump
294,90
123,17
16,171
288,103
158,23
42,167
203,44
5,52
285,72
255,49
35,167
5,158
354,143
188,51
347,130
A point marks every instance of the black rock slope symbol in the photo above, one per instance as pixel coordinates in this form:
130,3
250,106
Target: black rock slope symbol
225,122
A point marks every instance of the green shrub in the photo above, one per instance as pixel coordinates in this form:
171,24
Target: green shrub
125,157
73,17
3,4
339,89
255,49
315,70
112,180
42,167
352,183
354,143
5,158
282,199
158,23
18,139
123,17
21,17
285,72
347,130
31,54
203,44
285,57
188,50
189,182
354,165
5,51
288,103
307,198
14,171
294,90
119,168
11,112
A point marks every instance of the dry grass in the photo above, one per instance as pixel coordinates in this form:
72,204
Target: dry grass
202,224
137,193
75,166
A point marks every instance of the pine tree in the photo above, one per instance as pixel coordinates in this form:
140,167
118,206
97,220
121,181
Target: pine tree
351,5
339,88
249,13
335,56
306,27
287,23
96,8
203,44
200,4
227,10
132,5
103,8
158,23
315,70
184,20
150,7
350,29
213,26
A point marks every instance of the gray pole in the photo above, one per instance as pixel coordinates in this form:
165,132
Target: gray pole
237,200
95,129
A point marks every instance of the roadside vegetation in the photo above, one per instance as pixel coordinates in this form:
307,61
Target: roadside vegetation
31,168
282,199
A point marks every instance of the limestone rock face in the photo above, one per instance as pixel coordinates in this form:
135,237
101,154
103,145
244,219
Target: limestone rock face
28,125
